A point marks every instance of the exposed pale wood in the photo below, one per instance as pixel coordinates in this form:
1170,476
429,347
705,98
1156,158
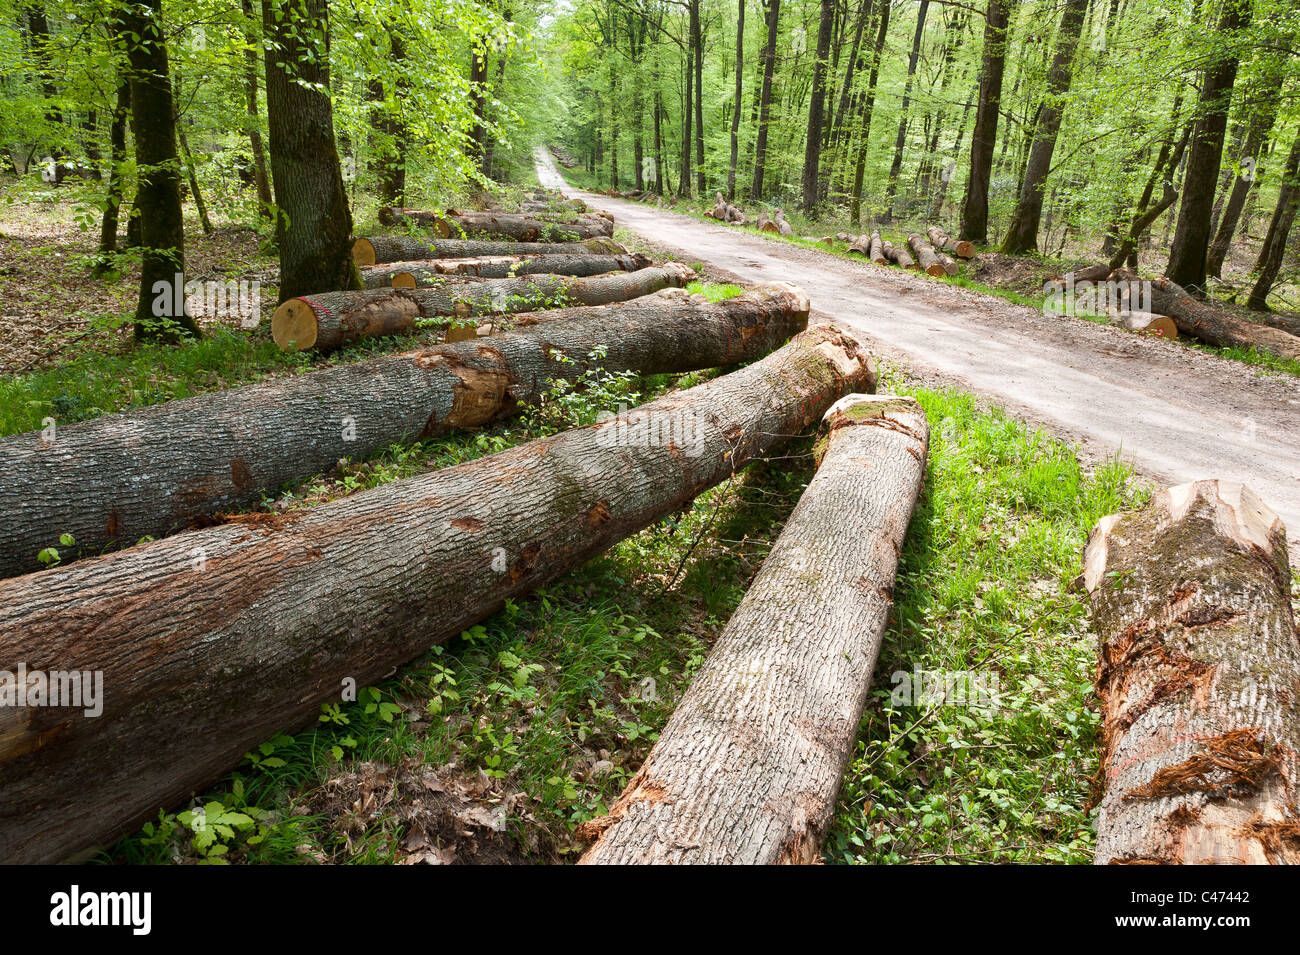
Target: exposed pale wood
941,241
213,640
859,246
333,319
926,258
1197,679
749,765
878,250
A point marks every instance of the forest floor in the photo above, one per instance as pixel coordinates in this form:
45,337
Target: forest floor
1175,413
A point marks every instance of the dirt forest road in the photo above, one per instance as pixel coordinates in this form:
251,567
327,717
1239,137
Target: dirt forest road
1176,414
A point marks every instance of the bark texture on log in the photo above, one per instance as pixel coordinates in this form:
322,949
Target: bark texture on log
502,225
382,249
427,272
333,319
151,472
749,765
1199,664
958,247
206,656
1214,326
859,246
878,250
926,258
899,256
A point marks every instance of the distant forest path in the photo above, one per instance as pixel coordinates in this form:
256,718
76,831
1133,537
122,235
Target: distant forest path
1176,414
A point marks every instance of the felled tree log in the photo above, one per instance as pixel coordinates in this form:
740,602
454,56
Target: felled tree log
748,767
1207,323
782,227
429,272
925,256
382,249
719,210
1197,680
845,237
765,224
898,255
859,246
213,640
501,225
93,481
948,263
1161,326
958,247
877,250
332,319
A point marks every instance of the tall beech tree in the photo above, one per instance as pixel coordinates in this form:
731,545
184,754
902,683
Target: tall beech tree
160,312
1192,237
817,106
896,167
1279,230
773,8
313,226
975,205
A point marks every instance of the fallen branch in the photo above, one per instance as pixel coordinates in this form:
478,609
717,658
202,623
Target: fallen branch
429,272
382,249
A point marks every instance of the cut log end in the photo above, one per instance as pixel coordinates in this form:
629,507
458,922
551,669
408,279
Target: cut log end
294,325
363,252
404,280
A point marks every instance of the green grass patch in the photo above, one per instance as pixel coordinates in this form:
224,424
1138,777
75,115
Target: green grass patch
715,291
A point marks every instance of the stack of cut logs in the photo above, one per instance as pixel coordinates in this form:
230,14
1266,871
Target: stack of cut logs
219,630
933,256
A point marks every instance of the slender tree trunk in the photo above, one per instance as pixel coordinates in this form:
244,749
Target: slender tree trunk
697,42
1260,125
896,166
868,106
1022,236
478,74
392,150
765,98
735,113
1192,237
984,138
261,180
1279,229
314,225
816,108
684,186
117,156
202,207
161,311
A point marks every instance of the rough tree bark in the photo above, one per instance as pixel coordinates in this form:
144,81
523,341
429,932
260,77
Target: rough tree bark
313,228
958,247
382,249
773,8
1279,229
93,482
261,181
928,258
502,225
1192,235
747,770
213,640
1199,665
432,272
160,311
735,109
896,166
984,137
868,107
817,108
116,157
332,319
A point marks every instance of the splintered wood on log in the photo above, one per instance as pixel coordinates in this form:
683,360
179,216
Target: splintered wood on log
93,482
749,765
383,249
333,319
925,256
1208,323
1197,679
213,640
421,274
502,225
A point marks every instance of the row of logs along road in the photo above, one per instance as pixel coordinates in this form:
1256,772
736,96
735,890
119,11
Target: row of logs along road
204,658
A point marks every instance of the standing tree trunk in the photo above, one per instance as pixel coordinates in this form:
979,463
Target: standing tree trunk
735,113
868,106
697,44
765,98
202,207
116,157
478,73
313,228
393,130
1192,236
1199,665
684,185
1279,229
261,181
160,313
215,639
896,167
984,138
1022,236
1260,126
817,107
747,770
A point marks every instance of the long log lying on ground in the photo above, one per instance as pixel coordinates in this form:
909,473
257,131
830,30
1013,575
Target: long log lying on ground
211,641
421,274
926,257
122,477
1197,680
878,250
333,319
859,246
958,247
898,255
381,249
1207,323
502,225
749,765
